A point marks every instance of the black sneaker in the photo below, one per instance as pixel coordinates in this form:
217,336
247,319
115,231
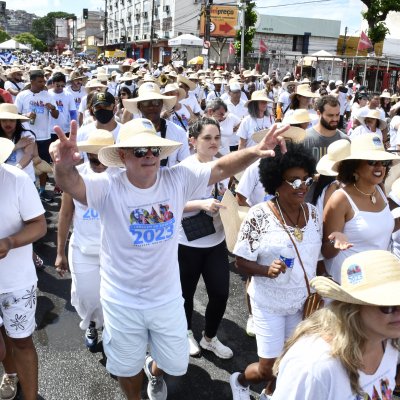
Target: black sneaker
91,337
44,196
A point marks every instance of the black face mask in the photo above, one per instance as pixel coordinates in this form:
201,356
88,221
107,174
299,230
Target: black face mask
104,116
128,83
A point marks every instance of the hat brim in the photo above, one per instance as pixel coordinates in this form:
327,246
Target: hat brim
232,216
109,155
289,83
294,134
91,148
182,94
132,104
381,123
191,85
6,148
127,79
324,166
267,99
9,115
386,294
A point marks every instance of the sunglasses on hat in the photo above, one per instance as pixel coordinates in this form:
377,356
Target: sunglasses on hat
296,184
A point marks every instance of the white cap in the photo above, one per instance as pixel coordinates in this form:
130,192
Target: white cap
350,81
338,83
234,87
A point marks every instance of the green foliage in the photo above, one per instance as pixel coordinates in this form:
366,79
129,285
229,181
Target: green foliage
45,28
28,38
376,15
250,17
4,36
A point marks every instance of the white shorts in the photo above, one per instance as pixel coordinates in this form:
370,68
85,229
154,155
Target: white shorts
272,330
18,311
128,331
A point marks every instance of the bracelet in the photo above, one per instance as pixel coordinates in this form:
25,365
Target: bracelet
18,165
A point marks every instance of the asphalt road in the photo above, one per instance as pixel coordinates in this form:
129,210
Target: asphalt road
68,371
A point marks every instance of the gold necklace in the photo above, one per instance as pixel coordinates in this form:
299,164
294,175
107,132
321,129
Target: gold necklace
371,195
297,233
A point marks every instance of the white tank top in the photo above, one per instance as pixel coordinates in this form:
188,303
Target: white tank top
366,231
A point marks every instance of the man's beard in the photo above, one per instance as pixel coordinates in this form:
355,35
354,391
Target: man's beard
326,125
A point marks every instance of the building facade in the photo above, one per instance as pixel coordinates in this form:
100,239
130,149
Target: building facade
15,22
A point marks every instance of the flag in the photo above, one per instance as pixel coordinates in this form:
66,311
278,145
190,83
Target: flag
231,50
7,58
364,43
263,46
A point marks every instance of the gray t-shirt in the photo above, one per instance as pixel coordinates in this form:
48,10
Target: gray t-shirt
318,144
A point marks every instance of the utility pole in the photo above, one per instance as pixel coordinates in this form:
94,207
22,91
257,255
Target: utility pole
105,29
344,41
207,21
151,35
243,27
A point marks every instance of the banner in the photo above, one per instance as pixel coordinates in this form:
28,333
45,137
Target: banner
263,47
7,58
364,43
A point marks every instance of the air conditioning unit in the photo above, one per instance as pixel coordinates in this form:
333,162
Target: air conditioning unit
166,9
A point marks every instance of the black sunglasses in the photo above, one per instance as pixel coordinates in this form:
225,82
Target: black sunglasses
140,152
94,161
385,163
389,309
149,103
296,184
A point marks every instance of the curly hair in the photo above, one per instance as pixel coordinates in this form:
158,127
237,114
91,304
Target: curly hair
272,169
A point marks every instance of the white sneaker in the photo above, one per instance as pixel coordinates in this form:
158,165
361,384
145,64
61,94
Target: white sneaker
194,348
216,347
8,387
250,326
239,392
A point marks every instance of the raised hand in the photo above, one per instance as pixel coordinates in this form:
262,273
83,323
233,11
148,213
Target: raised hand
272,139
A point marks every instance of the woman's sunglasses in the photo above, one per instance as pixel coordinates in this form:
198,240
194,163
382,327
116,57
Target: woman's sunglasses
140,152
385,163
389,309
296,184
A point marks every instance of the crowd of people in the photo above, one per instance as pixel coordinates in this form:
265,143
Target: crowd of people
296,179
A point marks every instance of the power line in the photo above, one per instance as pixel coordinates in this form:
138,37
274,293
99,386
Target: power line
295,4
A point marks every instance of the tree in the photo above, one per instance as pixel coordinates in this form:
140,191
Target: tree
4,36
376,15
250,18
28,38
45,28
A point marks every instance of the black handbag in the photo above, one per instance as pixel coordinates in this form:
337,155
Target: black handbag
199,225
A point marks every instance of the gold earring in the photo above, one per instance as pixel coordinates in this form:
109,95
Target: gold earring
356,176
276,194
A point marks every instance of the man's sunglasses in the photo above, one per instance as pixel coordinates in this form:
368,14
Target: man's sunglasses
140,152
149,103
385,163
389,309
296,184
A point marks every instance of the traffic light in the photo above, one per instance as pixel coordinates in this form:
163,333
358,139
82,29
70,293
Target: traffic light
85,13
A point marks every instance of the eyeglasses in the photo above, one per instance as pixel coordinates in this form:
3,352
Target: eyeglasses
140,152
389,309
296,184
94,161
149,103
385,163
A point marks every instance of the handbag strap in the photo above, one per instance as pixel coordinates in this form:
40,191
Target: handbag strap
163,132
295,247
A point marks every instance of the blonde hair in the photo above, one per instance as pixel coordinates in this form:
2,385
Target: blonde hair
341,326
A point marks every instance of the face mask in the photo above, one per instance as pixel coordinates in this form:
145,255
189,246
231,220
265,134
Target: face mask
104,116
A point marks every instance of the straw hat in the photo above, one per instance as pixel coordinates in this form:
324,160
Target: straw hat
382,124
10,111
148,91
300,116
258,95
94,83
186,81
385,95
6,148
289,83
97,139
370,277
138,132
232,216
294,134
218,81
173,87
247,73
337,151
74,75
305,91
14,70
367,147
128,76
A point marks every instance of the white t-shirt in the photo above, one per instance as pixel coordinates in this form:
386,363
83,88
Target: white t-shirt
251,125
250,186
363,130
83,104
394,133
13,86
27,102
21,203
76,95
15,157
284,98
225,97
363,111
219,235
64,103
139,263
177,134
227,132
309,372
192,102
184,115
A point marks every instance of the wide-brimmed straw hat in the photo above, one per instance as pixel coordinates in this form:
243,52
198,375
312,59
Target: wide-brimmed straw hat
139,132
10,111
289,83
258,95
232,216
337,151
367,147
6,148
375,114
14,70
173,87
294,134
74,75
149,91
128,76
370,278
385,95
182,79
305,91
94,83
96,140
300,116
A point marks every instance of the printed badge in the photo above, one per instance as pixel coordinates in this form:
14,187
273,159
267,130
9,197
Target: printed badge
354,274
377,141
